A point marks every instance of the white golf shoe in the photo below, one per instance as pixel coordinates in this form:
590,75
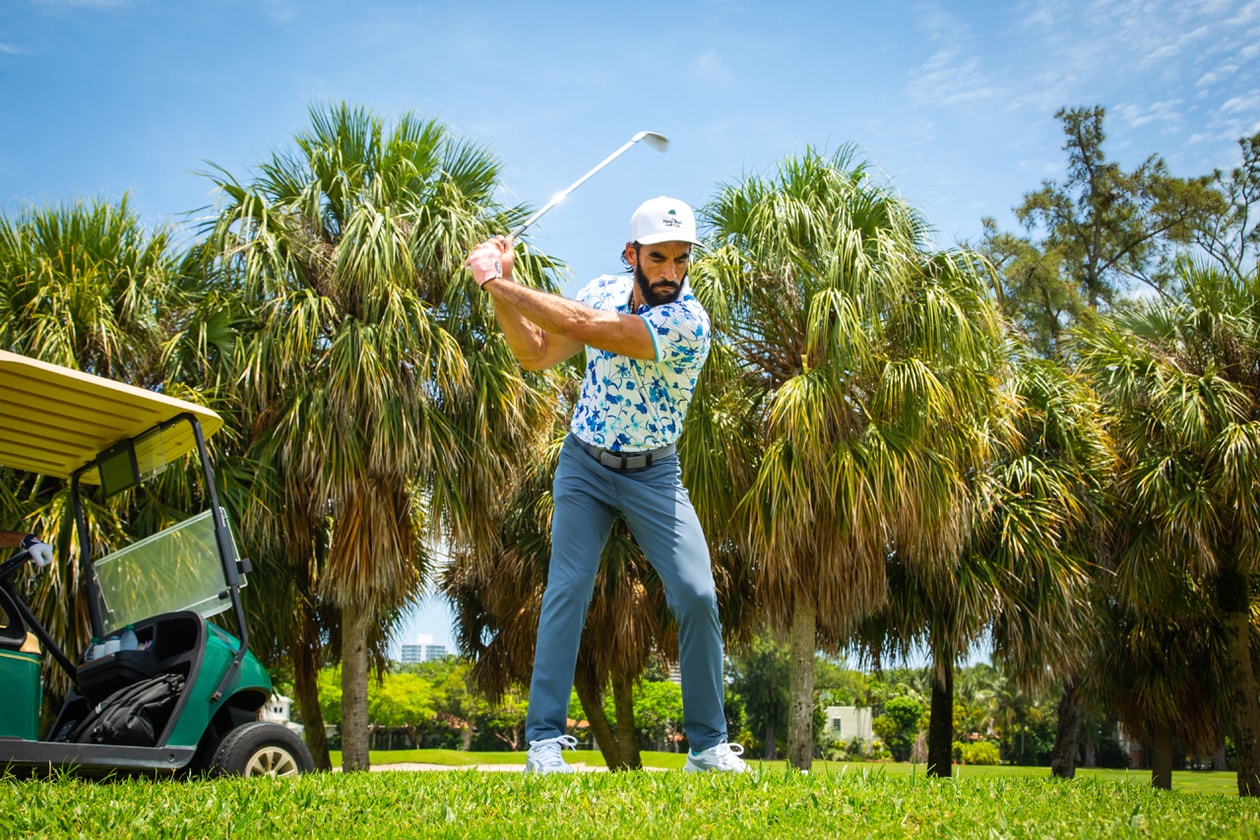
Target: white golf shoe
544,756
723,757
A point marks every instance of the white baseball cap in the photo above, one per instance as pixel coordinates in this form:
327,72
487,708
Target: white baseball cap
663,219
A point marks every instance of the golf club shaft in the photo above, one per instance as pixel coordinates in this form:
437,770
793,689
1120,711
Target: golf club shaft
657,141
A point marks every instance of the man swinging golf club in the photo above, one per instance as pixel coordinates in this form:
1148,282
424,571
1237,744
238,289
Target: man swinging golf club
646,338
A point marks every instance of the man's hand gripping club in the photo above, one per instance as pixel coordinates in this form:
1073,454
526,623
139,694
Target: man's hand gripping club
491,260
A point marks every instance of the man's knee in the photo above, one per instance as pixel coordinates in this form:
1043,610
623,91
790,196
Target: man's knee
695,602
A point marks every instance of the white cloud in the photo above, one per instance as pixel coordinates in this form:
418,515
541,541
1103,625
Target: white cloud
710,67
952,78
1249,12
952,75
1237,104
1164,113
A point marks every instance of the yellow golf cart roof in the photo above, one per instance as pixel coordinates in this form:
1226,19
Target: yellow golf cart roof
54,420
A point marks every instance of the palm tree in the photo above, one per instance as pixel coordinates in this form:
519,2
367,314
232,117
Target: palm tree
1159,670
1180,382
1040,522
380,398
87,286
860,349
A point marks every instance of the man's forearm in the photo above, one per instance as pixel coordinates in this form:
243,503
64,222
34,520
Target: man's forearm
525,338
549,313
537,325
565,326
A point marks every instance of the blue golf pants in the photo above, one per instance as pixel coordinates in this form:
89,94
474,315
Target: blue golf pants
588,496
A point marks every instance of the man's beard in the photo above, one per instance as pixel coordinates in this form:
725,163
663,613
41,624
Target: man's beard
665,291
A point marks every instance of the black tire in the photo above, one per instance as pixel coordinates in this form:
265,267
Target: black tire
261,749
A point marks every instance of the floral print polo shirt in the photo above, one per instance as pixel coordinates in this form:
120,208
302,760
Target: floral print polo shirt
634,405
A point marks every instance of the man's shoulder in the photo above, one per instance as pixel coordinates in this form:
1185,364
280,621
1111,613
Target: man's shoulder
605,286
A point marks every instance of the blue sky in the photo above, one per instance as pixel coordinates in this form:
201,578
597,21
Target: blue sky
954,101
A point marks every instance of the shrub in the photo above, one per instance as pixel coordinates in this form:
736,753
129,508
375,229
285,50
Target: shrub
981,752
898,726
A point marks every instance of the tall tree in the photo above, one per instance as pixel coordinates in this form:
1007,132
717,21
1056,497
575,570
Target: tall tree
1023,574
760,676
1231,235
87,286
1039,301
1089,240
1110,228
1180,382
861,351
379,401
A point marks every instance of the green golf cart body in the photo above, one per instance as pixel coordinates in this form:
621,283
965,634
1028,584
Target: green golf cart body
161,689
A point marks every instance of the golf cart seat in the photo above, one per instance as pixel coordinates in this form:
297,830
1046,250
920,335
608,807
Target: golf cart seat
12,631
20,661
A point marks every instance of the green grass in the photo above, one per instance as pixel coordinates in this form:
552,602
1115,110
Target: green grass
841,801
1184,781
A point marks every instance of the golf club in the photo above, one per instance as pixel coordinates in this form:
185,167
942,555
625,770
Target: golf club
657,141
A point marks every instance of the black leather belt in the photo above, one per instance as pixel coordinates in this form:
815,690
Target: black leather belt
625,460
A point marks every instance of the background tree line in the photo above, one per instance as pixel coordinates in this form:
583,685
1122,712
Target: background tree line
1044,441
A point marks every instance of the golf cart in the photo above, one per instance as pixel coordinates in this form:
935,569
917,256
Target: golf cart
161,688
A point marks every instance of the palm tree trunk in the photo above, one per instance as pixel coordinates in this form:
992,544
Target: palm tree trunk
1241,680
305,686
1162,758
1067,738
589,692
940,740
354,702
623,703
800,747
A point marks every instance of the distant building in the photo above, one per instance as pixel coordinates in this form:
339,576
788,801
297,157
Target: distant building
423,651
844,723
277,710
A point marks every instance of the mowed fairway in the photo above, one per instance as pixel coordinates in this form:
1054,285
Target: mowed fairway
833,801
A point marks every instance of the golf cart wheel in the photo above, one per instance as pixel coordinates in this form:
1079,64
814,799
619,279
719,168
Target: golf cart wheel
261,749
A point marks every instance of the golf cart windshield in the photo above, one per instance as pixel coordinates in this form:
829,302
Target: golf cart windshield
173,570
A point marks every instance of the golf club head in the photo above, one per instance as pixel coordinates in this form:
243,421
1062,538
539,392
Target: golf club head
657,141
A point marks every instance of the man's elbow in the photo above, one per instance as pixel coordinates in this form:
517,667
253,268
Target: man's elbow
533,358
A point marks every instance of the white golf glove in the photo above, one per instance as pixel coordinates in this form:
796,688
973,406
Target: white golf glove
41,552
487,262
